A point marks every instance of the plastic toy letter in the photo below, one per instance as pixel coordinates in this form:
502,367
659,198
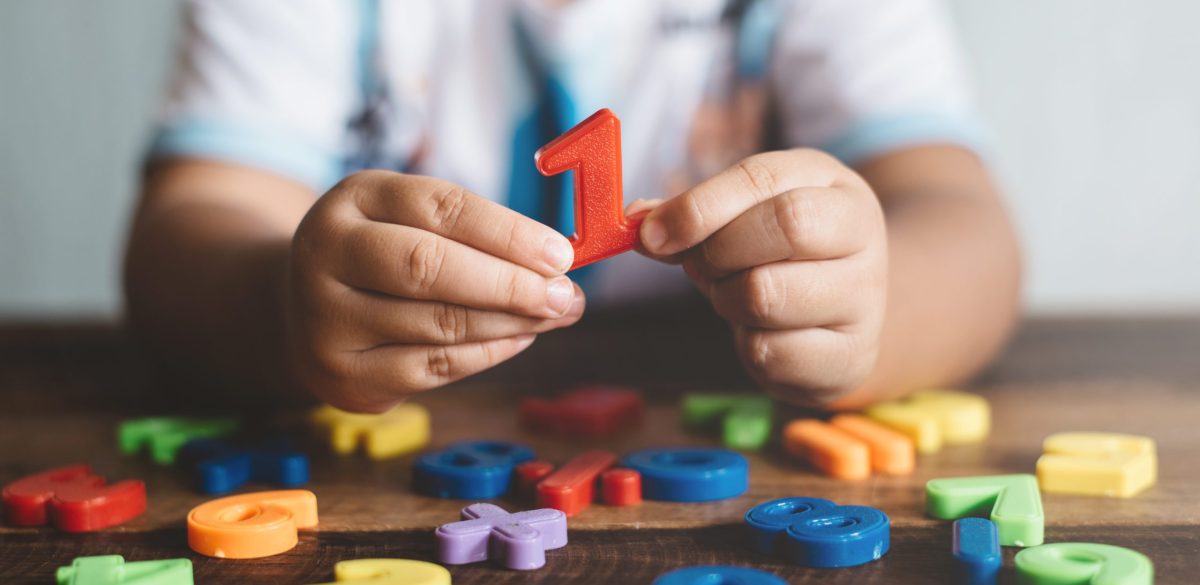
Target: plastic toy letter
1083,563
833,451
486,529
1098,464
249,526
976,551
933,417
586,412
163,436
470,470
389,572
593,150
73,499
745,421
1013,500
570,488
401,430
222,467
113,570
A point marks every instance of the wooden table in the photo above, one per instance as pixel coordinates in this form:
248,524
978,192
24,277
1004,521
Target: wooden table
63,389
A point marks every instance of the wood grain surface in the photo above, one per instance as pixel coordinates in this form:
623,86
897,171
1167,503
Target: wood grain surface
63,389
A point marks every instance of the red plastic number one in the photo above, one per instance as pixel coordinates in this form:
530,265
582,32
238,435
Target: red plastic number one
593,150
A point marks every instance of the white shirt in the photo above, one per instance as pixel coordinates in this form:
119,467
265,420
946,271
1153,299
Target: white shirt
315,89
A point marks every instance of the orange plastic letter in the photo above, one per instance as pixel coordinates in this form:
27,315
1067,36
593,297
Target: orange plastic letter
249,526
593,150
829,449
891,452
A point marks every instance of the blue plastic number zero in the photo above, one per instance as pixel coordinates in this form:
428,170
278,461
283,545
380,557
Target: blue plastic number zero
815,532
718,575
689,474
469,470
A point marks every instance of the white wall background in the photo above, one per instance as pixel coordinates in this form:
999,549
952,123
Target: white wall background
1094,107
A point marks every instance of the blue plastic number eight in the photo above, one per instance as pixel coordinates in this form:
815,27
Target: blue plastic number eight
815,532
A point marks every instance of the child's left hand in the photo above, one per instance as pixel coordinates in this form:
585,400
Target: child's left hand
790,247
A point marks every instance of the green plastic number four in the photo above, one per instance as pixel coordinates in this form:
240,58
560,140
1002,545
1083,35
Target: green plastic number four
1083,563
113,570
1014,502
745,421
163,436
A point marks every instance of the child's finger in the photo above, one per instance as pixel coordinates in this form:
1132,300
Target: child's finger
809,223
791,295
395,370
446,209
822,361
407,262
694,215
384,319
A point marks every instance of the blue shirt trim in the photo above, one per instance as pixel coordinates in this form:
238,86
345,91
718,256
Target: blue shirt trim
230,141
881,134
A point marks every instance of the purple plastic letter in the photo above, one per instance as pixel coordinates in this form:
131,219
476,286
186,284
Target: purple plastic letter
486,531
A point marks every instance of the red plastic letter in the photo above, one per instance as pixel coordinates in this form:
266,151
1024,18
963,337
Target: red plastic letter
529,474
73,499
621,487
571,488
587,412
593,150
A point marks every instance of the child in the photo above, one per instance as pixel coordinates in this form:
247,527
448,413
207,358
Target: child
815,161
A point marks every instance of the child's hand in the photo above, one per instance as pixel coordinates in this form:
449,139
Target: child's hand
402,283
790,247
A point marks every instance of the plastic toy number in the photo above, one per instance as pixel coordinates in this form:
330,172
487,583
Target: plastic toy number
389,572
815,532
718,575
593,150
1083,563
1014,502
249,526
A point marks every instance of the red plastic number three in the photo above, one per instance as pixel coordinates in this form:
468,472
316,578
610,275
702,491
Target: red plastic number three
593,150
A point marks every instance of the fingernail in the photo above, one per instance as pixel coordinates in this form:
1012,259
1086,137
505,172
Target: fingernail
523,341
654,235
641,205
559,294
558,253
577,303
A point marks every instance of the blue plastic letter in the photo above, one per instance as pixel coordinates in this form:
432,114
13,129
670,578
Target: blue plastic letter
222,467
469,470
977,551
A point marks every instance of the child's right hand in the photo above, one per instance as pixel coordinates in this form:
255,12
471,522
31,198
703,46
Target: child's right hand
402,283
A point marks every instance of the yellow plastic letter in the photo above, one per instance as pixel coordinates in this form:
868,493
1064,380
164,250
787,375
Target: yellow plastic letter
402,430
1104,464
933,417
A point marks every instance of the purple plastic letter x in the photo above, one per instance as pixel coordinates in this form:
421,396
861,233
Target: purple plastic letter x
486,531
